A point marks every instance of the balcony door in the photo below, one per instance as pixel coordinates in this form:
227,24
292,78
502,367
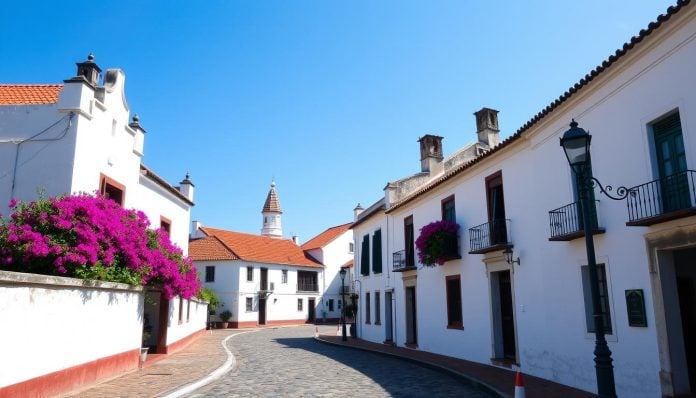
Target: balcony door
496,209
671,164
409,242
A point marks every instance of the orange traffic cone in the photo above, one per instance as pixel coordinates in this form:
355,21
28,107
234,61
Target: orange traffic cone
519,386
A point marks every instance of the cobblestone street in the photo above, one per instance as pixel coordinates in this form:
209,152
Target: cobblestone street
287,362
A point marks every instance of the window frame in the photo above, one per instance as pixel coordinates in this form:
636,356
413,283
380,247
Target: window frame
367,308
250,273
249,304
365,255
300,304
606,298
377,252
284,277
166,225
451,306
106,182
445,209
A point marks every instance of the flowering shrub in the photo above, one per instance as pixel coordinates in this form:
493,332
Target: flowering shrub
93,238
435,242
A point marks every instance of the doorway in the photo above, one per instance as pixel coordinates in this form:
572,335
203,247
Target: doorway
388,331
311,315
411,320
504,346
262,311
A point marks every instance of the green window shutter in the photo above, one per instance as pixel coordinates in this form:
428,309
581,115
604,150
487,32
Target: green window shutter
365,256
377,252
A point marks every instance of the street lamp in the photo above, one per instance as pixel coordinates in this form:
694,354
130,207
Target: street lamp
576,145
343,306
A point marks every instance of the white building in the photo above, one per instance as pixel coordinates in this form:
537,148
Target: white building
76,137
535,314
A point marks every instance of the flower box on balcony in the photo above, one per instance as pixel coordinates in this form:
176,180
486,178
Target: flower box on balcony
438,242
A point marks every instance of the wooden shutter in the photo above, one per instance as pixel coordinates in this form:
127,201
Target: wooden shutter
365,256
377,252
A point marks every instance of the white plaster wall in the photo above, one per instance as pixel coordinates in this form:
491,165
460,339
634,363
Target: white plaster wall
33,306
335,254
225,285
194,318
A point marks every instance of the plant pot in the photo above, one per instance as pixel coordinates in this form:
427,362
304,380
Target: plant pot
143,353
352,330
224,324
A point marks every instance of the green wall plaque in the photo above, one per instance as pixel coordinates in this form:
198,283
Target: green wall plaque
635,305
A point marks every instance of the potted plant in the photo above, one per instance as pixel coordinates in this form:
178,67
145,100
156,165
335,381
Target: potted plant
437,243
349,312
225,318
147,332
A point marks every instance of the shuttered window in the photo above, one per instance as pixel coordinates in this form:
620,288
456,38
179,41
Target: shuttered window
377,252
603,298
365,256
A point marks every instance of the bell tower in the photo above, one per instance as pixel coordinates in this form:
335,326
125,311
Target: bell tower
272,224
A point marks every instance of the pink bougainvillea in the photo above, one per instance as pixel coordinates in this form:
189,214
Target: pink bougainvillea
93,238
434,242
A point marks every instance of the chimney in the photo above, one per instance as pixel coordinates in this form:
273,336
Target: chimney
296,240
185,186
356,212
139,144
487,127
196,230
87,72
431,154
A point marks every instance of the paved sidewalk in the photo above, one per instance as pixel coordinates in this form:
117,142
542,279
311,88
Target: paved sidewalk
167,373
500,379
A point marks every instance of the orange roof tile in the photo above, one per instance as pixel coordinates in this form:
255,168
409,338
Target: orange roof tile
209,248
272,202
326,237
28,94
263,249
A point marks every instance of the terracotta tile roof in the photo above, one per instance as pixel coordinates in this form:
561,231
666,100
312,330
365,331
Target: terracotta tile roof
326,237
606,64
209,248
263,249
28,94
272,202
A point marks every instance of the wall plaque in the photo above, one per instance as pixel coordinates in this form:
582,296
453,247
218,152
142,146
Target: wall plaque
635,305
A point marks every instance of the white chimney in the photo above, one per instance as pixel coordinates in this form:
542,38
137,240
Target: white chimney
356,212
296,239
186,187
431,154
196,230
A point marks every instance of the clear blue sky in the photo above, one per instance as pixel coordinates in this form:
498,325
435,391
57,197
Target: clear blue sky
326,97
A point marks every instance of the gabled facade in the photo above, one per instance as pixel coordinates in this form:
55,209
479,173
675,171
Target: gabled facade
531,310
78,137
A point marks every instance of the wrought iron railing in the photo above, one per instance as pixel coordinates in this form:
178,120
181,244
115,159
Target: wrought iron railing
347,289
567,220
399,260
489,235
662,196
307,287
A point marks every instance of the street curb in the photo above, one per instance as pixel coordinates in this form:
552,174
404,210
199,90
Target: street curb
464,377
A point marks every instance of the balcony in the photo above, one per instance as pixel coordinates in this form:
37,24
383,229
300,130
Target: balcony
489,237
400,262
566,223
346,289
662,200
312,287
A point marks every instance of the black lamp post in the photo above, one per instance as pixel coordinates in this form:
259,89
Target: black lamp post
343,305
576,144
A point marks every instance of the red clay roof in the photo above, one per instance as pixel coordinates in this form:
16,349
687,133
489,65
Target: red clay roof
209,248
263,249
272,202
28,94
326,237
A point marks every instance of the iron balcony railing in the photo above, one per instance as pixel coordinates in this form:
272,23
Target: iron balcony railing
347,289
662,199
307,287
399,260
566,221
489,236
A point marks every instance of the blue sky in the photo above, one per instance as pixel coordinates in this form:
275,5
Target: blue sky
326,97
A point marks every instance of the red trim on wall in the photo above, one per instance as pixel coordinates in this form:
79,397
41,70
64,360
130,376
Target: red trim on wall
70,378
255,324
183,343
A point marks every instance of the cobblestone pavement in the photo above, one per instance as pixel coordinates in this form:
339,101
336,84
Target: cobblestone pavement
287,362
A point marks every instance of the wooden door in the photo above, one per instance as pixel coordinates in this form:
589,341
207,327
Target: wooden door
507,315
671,164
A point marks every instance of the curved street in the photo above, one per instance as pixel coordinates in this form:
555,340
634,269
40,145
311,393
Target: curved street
287,362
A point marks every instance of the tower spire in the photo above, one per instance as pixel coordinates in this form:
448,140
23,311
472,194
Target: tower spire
272,225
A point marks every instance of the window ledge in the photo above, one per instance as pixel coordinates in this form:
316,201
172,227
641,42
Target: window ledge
456,327
378,323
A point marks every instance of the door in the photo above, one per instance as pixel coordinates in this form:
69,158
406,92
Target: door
388,332
496,209
409,242
262,311
264,279
507,315
411,320
671,164
311,316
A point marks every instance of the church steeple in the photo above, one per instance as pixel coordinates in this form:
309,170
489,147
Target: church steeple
272,225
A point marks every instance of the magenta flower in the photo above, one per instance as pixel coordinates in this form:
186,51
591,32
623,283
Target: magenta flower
437,243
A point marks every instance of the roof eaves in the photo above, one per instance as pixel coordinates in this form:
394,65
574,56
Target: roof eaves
164,184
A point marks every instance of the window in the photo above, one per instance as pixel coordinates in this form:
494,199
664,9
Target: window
111,189
339,304
210,273
307,281
496,209
284,276
249,304
377,252
166,225
603,298
448,212
350,247
454,301
331,304
365,256
299,304
250,274
367,307
409,241
378,315
671,164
